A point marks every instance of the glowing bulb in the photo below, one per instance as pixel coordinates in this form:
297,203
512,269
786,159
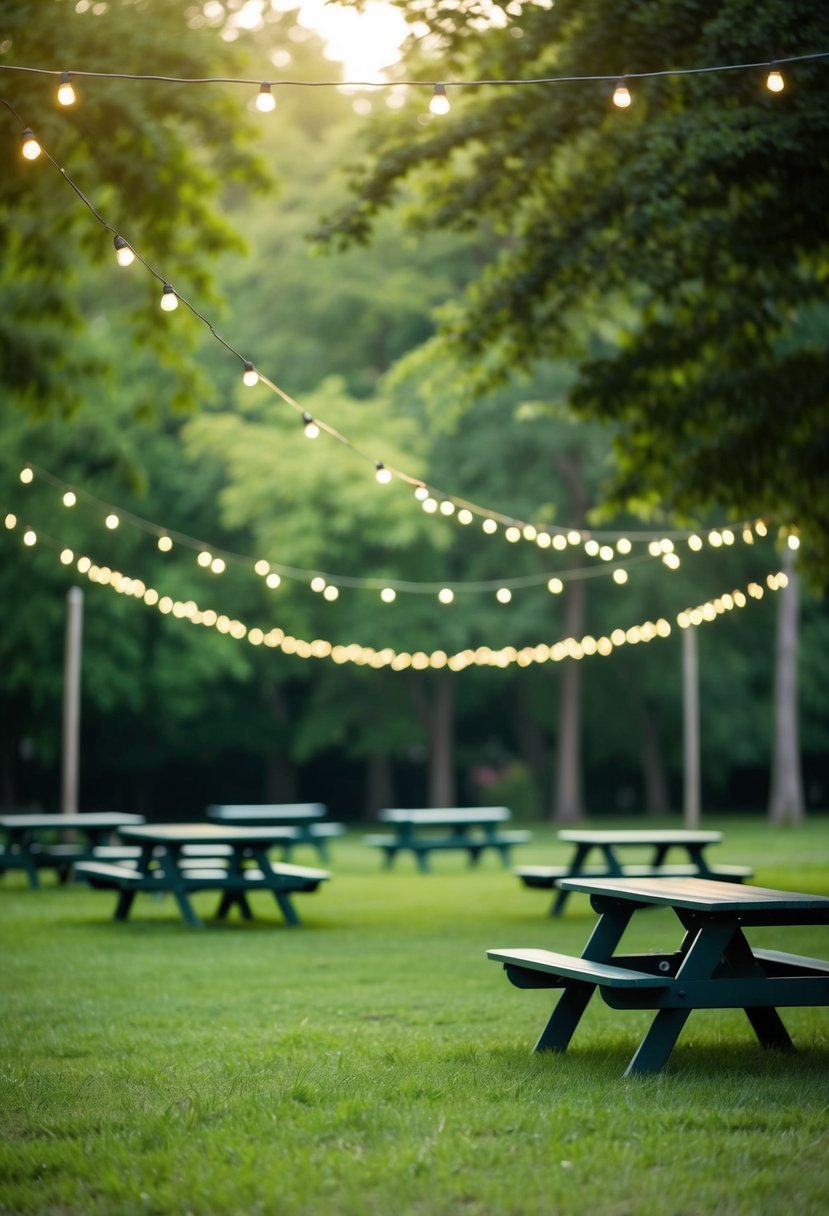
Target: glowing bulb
774,81
112,521
440,102
465,516
621,95
388,595
559,541
446,595
30,147
330,593
26,475
30,537
623,545
591,548
204,558
421,493
489,526
574,537
67,557
66,94
429,504
10,520
555,586
503,595
544,540
513,534
169,299
273,581
250,376
165,544
694,542
606,553
218,565
447,507
620,577
793,541
318,583
382,475
265,101
311,428
69,498
124,256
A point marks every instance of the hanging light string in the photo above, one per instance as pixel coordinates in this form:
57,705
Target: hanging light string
432,499
249,82
217,559
369,656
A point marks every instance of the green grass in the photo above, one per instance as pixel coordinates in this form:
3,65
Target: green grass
372,1062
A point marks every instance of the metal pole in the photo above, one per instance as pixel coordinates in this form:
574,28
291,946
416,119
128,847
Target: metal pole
690,722
72,701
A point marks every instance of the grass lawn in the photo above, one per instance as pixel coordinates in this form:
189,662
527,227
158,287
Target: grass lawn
372,1062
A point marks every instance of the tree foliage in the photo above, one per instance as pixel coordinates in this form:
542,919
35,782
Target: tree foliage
678,250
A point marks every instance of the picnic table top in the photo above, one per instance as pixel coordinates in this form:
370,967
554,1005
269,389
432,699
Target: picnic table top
207,833
276,812
635,836
700,894
91,819
445,816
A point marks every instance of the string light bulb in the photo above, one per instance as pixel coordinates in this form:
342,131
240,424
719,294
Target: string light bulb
440,102
383,475
621,95
124,256
66,94
774,80
169,299
265,101
30,148
250,376
311,427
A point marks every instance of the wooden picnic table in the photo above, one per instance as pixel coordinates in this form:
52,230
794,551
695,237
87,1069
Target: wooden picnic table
306,819
714,966
32,840
607,846
239,865
471,829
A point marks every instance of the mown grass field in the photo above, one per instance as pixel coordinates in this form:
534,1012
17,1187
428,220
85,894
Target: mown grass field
373,1062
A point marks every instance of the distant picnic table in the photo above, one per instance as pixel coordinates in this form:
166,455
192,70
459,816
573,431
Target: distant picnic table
607,847
35,842
469,829
184,858
714,966
306,819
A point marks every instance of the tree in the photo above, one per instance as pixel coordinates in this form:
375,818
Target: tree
690,229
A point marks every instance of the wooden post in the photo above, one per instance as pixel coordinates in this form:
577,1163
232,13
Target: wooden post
72,701
690,723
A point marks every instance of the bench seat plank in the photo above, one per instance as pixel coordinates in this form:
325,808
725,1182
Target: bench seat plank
569,966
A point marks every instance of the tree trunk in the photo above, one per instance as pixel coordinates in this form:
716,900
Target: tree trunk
690,729
434,699
786,802
533,747
568,805
379,783
280,770
653,766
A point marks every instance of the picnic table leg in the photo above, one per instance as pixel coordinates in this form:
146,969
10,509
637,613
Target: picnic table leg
422,859
706,949
573,1001
766,1023
122,908
229,898
286,907
576,864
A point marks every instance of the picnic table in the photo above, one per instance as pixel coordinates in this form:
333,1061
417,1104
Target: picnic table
184,858
469,829
607,846
32,840
306,820
714,966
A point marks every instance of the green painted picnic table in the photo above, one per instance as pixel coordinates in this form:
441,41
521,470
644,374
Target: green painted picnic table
307,821
470,829
714,966
31,842
598,853
232,860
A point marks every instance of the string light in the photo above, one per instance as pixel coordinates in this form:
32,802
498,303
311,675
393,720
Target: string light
30,148
66,94
621,95
27,475
382,475
124,256
250,376
312,429
265,101
69,498
774,80
439,103
169,299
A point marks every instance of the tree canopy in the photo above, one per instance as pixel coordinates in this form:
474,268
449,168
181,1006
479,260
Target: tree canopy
677,250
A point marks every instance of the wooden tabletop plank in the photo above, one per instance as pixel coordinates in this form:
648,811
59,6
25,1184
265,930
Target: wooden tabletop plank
446,816
91,819
702,894
635,836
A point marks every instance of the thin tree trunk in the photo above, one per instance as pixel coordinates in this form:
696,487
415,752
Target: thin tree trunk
442,742
533,747
653,766
568,804
690,729
379,783
280,770
786,802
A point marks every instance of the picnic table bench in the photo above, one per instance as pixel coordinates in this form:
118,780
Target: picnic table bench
35,842
605,845
471,830
714,966
182,859
305,822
